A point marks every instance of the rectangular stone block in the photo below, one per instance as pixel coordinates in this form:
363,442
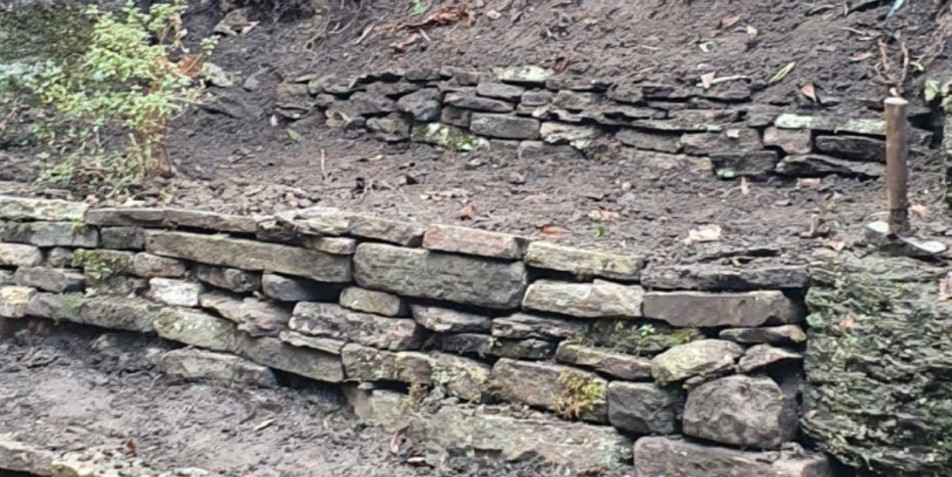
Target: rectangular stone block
445,320
504,127
20,255
370,301
716,278
238,281
333,245
250,255
673,457
853,147
484,345
257,318
56,280
51,210
148,265
196,364
467,241
15,300
869,127
643,408
326,345
332,321
50,234
59,257
571,392
289,289
196,328
424,274
670,143
118,313
599,299
276,354
366,364
524,326
465,378
319,221
171,218
729,140
122,238
688,309
791,141
583,263
753,164
605,361
174,292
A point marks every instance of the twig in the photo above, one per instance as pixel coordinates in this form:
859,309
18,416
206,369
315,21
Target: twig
323,171
425,36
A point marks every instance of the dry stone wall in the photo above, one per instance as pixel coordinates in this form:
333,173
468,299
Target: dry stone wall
602,358
527,111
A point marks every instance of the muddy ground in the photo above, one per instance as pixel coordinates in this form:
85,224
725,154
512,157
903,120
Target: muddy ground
71,388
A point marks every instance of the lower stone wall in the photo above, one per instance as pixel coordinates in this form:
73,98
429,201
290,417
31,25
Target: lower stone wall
472,339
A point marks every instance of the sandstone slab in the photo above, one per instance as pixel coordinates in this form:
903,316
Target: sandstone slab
171,218
424,274
791,141
193,364
599,299
783,334
817,165
366,364
465,378
472,102
326,345
485,345
371,301
504,91
467,241
525,326
574,134
59,257
19,255
753,164
742,411
723,278
132,314
504,127
290,289
331,221
148,265
569,391
870,127
50,234
445,320
56,280
257,318
122,238
329,320
671,457
643,408
175,292
528,74
195,328
276,354
697,358
15,301
702,309
238,281
764,355
605,361
853,147
334,245
583,263
23,208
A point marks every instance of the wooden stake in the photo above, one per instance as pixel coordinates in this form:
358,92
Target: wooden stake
897,169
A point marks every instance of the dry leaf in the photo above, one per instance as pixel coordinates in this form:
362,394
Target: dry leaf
752,31
191,65
732,133
847,324
707,80
809,90
467,213
603,215
744,187
862,56
553,231
493,14
782,72
707,233
945,288
730,21
920,210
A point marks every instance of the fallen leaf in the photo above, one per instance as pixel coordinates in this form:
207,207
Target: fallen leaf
493,14
130,448
264,425
397,440
467,213
862,56
707,80
945,288
809,90
603,215
190,65
782,72
744,187
553,231
730,21
752,31
847,324
294,135
706,233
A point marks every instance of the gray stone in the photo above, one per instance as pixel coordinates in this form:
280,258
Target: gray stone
485,345
456,116
370,301
529,74
294,96
535,99
476,103
19,457
424,274
148,265
332,321
531,151
344,116
504,91
504,127
238,281
332,84
366,364
575,101
393,128
583,263
853,147
672,457
638,337
600,299
398,88
743,411
686,309
132,314
250,255
869,127
56,280
423,74
281,288
689,120
331,221
791,141
370,104
51,210
257,318
445,320
101,265
445,136
524,326
461,75
333,245
15,301
659,164
423,105
651,141
195,328
122,238
576,135
730,140
626,93
697,358
605,361
816,165
170,217
717,278
462,377
753,164
569,391
276,354
198,364
326,345
174,292
6,277
59,257
783,334
643,408
467,241
764,355
50,234
20,255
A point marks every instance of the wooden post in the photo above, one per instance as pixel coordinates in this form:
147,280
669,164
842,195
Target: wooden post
897,169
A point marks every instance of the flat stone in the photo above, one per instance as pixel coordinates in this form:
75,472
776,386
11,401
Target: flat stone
56,280
445,136
50,210
19,255
504,91
19,457
729,140
485,345
467,241
174,292
462,377
332,221
673,457
853,147
626,93
15,301
445,320
791,141
689,309
310,363
148,265
393,128
576,135
424,274
102,267
529,74
372,104
366,364
250,255
371,301
600,299
397,88
783,334
196,328
669,143
117,313
689,120
870,127
697,358
583,263
238,281
456,116
333,245
50,234
281,288
554,387
257,318
58,257
816,165
476,103
764,355
753,164
605,361
195,364
725,278
575,101
326,345
328,320
294,96
638,337
524,326
538,150
504,127
658,164
536,98
423,105
122,238
643,408
743,411
171,218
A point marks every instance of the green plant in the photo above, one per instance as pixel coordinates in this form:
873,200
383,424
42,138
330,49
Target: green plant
115,100
578,394
419,7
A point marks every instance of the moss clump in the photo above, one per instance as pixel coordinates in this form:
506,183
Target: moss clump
636,338
100,266
578,395
447,137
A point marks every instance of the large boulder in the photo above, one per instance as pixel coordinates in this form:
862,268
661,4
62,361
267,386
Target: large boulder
697,358
673,457
643,408
743,411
